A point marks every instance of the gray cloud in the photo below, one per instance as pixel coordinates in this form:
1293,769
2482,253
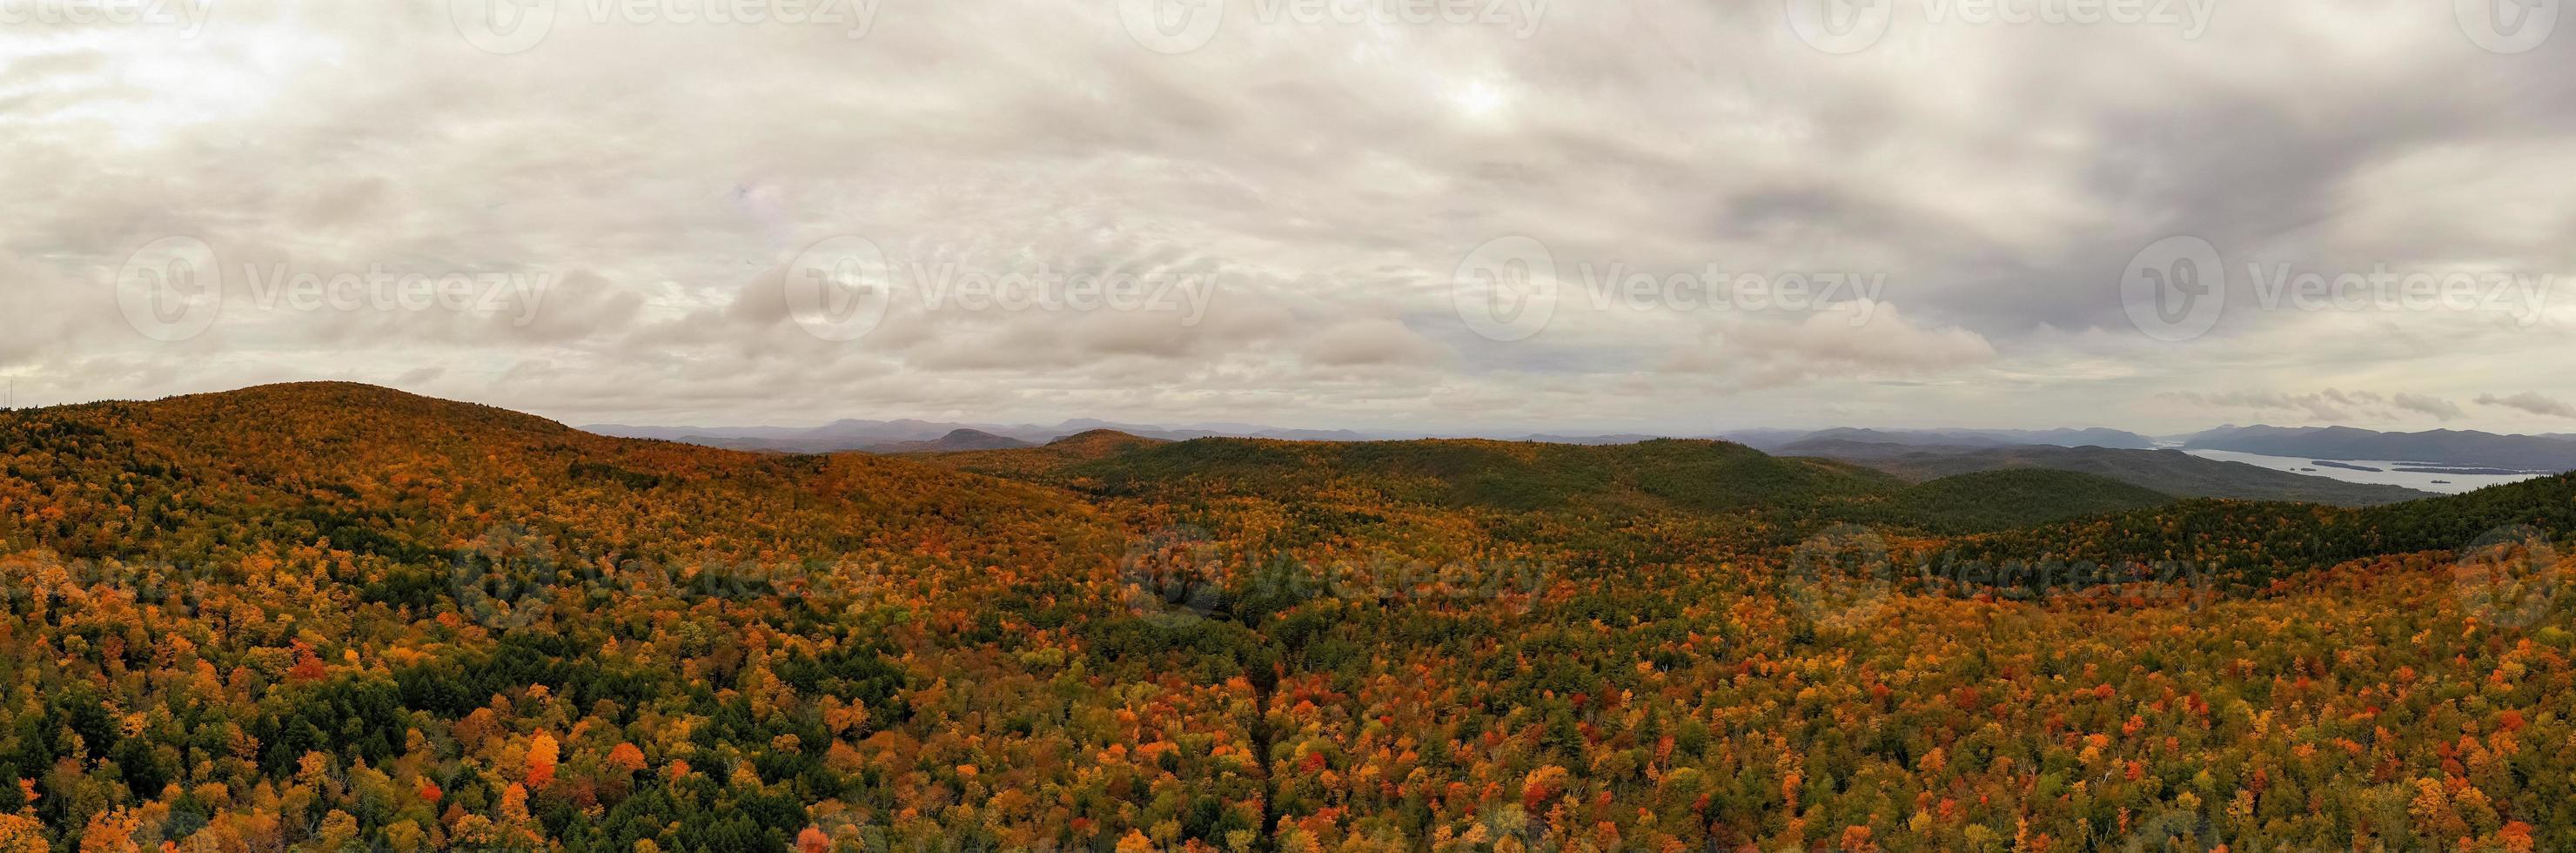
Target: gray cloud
2532,403
2435,406
2331,405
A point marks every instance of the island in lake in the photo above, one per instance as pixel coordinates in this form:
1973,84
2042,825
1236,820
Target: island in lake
2506,472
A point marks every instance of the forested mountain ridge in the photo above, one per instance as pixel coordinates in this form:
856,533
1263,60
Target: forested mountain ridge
2263,542
1673,473
2169,471
330,615
1688,477
396,608
2437,447
327,452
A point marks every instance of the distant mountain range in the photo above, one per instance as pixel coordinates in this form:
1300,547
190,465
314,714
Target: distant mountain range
2531,453
955,440
1773,441
2171,472
917,436
835,436
2538,453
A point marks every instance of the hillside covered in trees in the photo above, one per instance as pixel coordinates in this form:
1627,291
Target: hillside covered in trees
330,616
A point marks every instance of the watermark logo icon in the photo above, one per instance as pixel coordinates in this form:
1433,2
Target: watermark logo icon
2507,26
2509,578
1171,26
1840,26
502,27
1852,26
2175,289
503,579
1506,289
171,289
1174,574
1840,576
506,27
838,289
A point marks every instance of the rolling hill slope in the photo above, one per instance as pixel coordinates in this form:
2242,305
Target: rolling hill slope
417,598
1996,500
2250,543
1674,473
423,475
1696,477
330,616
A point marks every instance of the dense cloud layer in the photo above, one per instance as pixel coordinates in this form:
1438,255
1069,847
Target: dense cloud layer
1314,215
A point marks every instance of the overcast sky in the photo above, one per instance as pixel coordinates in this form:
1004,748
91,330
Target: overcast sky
1651,216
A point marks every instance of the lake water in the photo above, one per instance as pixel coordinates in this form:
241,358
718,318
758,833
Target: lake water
2388,475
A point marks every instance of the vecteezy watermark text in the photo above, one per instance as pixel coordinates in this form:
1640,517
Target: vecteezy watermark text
513,26
2521,296
1851,26
187,16
174,288
2176,289
1509,288
1181,572
516,295
1181,26
1613,284
840,289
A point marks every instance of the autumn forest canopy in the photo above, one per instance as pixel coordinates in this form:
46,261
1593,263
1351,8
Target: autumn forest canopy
330,616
